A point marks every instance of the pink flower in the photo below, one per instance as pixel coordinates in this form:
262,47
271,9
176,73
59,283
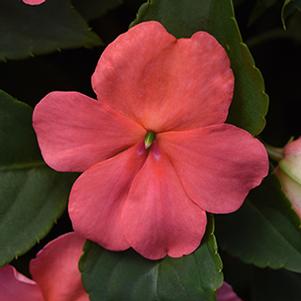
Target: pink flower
55,273
226,293
154,150
33,2
289,173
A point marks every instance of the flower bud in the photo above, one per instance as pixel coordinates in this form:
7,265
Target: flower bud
289,174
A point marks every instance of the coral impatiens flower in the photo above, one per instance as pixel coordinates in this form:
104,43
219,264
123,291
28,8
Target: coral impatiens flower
154,149
54,271
226,293
33,2
289,174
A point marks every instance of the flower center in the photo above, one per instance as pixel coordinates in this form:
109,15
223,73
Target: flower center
149,139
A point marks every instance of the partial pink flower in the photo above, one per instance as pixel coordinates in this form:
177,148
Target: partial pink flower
33,2
16,287
154,150
226,293
289,173
54,271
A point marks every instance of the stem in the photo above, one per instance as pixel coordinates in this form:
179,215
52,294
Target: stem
275,153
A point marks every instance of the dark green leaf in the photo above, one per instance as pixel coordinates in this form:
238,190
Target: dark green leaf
128,276
265,231
184,17
93,9
254,284
289,7
276,286
31,30
32,196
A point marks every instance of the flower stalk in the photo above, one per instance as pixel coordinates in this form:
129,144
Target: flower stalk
275,153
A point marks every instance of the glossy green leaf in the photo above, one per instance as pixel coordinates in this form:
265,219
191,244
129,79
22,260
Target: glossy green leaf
184,17
110,276
41,29
32,196
265,231
93,9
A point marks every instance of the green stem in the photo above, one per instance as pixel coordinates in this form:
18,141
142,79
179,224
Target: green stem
275,153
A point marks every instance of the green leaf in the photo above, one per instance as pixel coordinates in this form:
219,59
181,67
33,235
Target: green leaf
93,9
254,284
31,30
265,231
288,8
184,17
276,285
32,196
128,276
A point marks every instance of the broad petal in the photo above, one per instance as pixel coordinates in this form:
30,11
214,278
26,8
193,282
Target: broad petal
165,83
75,131
98,195
291,189
55,269
217,165
226,293
16,287
158,217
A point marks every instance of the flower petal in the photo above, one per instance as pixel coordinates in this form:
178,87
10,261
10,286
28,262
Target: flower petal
291,163
165,83
158,217
16,287
293,148
33,2
75,131
226,293
97,198
291,189
217,165
55,269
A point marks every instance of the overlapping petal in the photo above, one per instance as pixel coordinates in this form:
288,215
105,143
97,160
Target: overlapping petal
16,287
74,131
98,196
55,269
158,217
226,293
217,165
153,200
165,83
